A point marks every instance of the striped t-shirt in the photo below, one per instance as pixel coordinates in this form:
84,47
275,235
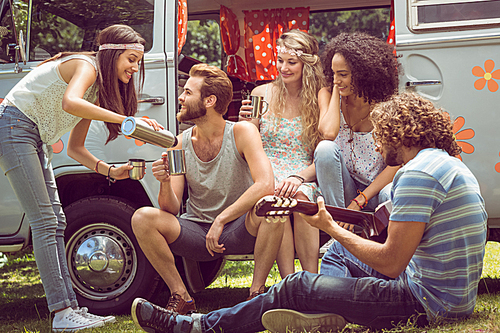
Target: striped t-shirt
444,272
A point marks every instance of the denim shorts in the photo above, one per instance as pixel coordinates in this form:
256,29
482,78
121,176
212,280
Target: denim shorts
191,242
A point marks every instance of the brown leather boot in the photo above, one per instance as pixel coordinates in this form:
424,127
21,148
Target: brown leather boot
261,290
177,304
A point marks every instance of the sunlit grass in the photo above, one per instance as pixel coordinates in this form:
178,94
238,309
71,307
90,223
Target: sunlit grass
491,264
23,308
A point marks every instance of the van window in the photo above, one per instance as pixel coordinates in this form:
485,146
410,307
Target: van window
11,26
203,41
325,25
459,15
60,25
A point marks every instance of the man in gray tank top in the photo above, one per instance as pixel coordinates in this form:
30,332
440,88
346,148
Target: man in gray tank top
227,172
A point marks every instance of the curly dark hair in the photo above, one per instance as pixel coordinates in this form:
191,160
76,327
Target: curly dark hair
410,120
374,67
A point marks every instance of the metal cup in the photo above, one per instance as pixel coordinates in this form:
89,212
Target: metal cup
257,105
176,162
139,168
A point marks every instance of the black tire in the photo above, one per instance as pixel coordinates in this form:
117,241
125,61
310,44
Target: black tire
107,266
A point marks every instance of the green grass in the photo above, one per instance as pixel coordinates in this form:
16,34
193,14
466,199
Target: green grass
23,307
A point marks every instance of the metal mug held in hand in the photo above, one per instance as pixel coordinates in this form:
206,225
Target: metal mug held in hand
139,168
176,162
257,105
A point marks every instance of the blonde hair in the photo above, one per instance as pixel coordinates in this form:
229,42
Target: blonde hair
312,82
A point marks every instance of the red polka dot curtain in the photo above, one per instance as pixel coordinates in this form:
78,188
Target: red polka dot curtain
230,33
182,24
262,29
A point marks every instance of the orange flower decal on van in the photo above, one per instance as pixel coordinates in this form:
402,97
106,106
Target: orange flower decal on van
58,147
465,134
486,76
497,167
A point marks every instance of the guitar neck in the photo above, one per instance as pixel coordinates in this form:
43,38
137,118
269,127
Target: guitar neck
373,223
340,214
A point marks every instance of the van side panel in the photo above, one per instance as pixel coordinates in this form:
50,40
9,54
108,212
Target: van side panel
456,70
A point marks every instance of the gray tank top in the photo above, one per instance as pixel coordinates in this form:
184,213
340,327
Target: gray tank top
216,184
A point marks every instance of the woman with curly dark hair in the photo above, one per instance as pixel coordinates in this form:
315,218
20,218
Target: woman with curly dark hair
361,71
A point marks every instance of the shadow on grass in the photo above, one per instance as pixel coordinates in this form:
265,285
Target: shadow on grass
488,286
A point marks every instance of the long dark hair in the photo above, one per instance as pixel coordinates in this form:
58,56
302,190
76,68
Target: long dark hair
113,94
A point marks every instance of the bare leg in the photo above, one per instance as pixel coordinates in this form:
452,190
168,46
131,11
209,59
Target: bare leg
286,253
306,244
267,244
154,230
306,240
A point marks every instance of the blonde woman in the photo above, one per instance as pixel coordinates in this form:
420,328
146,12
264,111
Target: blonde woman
289,132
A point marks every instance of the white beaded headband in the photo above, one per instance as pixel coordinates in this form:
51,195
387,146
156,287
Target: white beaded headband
292,52
134,46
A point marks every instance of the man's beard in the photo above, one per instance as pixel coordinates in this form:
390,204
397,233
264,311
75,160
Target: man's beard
192,112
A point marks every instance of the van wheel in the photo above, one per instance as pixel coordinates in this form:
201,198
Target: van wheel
106,265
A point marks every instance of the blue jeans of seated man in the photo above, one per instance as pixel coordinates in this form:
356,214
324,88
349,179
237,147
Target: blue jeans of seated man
22,160
335,182
352,290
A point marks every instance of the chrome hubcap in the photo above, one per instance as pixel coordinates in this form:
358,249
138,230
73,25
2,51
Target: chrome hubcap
102,261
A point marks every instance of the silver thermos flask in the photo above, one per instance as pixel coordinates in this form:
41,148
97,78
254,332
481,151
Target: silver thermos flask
140,130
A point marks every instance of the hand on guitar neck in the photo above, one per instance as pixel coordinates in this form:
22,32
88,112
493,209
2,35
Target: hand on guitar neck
372,224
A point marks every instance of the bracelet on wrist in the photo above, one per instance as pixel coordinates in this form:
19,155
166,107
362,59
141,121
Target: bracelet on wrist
366,199
110,180
357,203
96,169
302,179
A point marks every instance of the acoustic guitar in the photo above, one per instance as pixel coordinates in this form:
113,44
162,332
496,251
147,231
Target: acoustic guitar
372,224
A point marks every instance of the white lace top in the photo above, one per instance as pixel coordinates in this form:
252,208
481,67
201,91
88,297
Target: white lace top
39,96
362,161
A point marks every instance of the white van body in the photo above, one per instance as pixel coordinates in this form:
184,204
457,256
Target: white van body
442,45
107,266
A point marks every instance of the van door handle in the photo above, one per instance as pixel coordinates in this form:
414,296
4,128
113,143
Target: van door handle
422,83
153,100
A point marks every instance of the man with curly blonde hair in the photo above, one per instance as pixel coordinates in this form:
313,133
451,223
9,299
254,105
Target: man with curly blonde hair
428,267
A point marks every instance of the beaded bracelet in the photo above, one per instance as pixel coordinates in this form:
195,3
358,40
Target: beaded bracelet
357,202
302,179
366,199
110,180
96,169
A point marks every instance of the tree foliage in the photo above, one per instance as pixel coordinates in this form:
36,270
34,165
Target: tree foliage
326,25
203,42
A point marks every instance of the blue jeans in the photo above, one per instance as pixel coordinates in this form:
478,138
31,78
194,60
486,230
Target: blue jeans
335,181
22,160
354,291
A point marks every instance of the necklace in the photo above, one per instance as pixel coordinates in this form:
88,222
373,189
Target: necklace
351,135
346,125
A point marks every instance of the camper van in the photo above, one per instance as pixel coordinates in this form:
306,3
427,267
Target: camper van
449,51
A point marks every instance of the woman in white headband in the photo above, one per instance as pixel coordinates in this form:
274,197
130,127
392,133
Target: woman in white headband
64,94
289,132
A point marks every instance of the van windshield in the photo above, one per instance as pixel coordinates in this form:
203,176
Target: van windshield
61,25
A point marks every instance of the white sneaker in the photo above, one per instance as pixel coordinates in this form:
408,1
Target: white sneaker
72,321
285,320
324,248
84,312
